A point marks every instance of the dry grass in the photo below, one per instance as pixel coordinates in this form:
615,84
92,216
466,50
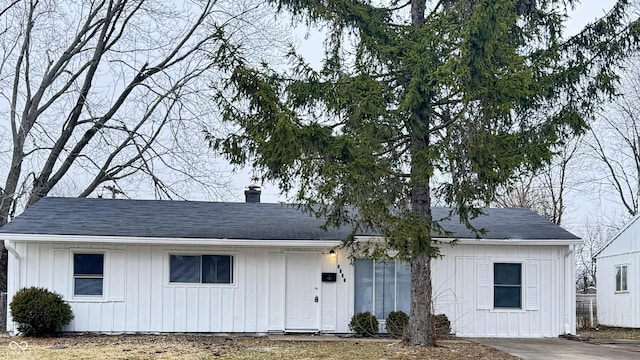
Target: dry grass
610,333
210,347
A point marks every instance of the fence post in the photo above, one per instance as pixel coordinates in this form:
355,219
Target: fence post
591,312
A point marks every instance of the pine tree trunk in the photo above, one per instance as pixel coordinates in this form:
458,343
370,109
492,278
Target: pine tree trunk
420,320
421,331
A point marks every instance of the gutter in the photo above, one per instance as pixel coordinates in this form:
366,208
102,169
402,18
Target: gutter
261,242
169,241
468,241
11,283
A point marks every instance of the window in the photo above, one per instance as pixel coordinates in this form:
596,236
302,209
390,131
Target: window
382,287
205,269
88,274
621,277
507,285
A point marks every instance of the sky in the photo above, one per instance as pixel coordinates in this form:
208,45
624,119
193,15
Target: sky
580,209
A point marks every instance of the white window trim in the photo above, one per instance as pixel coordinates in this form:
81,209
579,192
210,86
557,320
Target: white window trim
522,307
167,272
89,298
626,273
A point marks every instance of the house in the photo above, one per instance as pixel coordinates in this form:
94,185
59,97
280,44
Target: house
617,278
177,266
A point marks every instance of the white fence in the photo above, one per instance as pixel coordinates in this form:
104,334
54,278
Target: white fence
586,311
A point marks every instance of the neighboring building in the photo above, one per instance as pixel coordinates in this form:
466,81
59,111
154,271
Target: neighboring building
618,278
177,266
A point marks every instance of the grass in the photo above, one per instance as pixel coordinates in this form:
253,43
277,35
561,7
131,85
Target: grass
212,347
604,333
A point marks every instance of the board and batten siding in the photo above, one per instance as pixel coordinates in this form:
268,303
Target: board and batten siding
620,308
137,295
139,298
463,290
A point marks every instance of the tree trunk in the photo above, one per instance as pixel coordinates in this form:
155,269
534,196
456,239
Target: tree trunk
420,320
421,331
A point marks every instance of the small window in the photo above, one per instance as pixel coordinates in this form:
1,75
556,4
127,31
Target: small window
88,274
205,269
621,277
507,285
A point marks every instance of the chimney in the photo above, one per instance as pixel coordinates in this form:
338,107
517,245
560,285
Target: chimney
252,195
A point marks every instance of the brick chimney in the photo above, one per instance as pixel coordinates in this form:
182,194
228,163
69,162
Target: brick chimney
252,194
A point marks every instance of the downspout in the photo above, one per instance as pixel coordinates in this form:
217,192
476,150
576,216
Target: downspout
10,246
570,291
12,267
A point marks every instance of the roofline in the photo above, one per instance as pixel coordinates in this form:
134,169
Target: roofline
468,241
625,227
138,240
253,242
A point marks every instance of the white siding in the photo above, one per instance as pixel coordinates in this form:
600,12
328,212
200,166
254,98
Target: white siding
620,308
329,295
468,299
463,290
139,298
344,290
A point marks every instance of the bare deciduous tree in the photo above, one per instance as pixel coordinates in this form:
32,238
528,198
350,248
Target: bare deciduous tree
545,191
594,235
113,95
614,143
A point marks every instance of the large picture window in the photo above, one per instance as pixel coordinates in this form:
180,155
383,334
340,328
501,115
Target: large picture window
382,287
507,285
204,269
621,277
88,274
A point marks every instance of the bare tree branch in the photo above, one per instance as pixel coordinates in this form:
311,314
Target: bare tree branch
115,93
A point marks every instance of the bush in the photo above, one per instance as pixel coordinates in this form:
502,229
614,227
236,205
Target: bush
364,324
442,325
39,312
397,323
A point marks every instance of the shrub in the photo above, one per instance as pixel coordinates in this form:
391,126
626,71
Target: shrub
442,325
397,323
364,324
39,312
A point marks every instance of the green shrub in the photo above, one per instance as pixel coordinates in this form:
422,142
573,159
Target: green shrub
364,324
39,312
442,325
397,323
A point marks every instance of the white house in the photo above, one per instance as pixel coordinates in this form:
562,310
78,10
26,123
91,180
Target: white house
175,266
618,264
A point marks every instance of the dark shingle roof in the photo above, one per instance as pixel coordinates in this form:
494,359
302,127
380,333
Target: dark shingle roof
250,221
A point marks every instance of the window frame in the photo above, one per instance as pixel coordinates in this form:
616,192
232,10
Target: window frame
375,290
233,269
521,286
75,276
624,278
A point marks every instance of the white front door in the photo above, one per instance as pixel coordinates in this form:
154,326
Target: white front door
302,291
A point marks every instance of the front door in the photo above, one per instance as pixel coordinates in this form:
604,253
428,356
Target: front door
302,291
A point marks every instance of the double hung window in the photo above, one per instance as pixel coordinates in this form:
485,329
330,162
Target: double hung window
621,278
88,274
507,285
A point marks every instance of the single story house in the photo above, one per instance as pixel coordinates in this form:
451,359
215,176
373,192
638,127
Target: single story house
130,266
618,264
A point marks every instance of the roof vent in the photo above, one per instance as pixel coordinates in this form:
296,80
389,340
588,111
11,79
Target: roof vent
252,194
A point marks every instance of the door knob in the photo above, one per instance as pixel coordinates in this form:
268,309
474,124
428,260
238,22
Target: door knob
316,299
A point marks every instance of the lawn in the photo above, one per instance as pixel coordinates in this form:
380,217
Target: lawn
214,347
610,333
